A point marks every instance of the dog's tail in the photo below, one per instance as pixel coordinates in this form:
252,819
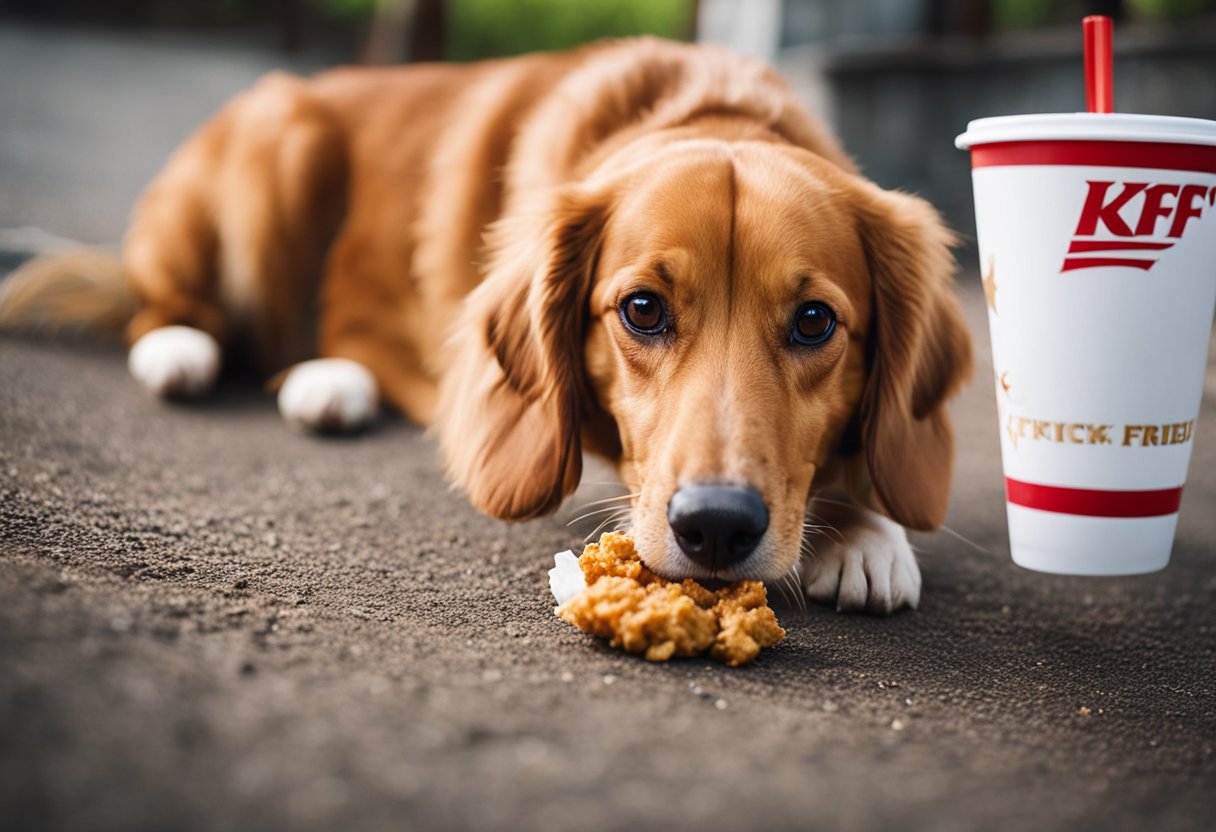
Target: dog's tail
82,292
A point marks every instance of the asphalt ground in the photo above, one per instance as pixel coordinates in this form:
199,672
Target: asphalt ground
208,621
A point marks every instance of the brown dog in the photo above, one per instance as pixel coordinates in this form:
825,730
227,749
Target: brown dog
640,248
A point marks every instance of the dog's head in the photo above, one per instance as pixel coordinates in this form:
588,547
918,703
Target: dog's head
724,320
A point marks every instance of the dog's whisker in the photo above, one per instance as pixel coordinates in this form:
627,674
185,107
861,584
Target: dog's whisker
827,531
591,534
617,518
795,582
587,537
618,498
970,543
786,591
823,524
593,513
943,528
610,506
807,549
789,591
779,585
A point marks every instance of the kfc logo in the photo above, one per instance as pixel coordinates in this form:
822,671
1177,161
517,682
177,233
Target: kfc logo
1165,212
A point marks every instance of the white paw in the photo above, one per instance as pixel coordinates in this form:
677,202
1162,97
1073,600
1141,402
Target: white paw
329,394
868,565
175,361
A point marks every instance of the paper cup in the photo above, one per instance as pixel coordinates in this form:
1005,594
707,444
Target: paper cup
1097,242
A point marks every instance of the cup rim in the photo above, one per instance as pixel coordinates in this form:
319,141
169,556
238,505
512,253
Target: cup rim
1115,127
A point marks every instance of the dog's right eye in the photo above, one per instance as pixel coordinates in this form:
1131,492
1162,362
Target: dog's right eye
643,313
814,324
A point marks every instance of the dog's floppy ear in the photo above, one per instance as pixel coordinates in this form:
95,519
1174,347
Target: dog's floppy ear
920,353
512,402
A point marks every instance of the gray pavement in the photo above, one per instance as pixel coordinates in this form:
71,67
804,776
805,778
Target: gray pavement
89,117
210,622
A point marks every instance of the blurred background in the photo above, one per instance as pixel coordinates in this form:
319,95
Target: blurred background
94,95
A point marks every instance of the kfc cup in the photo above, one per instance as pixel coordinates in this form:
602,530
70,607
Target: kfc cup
1097,244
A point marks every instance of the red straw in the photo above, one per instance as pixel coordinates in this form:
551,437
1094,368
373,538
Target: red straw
1099,72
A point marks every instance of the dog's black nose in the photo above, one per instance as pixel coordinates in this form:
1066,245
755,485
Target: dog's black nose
717,525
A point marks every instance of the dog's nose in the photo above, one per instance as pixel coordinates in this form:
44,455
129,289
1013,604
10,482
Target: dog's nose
717,525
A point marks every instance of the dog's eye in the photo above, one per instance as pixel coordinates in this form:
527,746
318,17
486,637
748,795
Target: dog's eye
644,314
814,323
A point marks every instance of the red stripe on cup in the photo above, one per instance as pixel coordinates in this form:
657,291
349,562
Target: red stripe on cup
1157,155
1071,263
1115,245
1091,502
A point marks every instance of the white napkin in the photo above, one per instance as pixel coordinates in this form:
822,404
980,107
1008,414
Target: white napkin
566,578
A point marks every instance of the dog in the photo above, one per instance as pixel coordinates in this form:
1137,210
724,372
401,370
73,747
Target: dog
642,249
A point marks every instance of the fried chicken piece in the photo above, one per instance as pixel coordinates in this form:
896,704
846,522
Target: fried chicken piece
639,612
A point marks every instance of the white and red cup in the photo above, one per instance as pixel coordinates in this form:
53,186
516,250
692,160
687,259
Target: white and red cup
1097,244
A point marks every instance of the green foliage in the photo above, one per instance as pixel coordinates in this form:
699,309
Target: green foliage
1029,14
1026,14
348,8
486,28
1171,8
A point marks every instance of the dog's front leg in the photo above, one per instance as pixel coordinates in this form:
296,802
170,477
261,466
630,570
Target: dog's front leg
858,559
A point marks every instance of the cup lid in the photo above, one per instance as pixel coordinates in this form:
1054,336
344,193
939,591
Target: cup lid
1116,127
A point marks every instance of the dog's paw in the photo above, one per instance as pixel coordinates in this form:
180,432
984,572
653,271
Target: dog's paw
175,361
329,395
868,565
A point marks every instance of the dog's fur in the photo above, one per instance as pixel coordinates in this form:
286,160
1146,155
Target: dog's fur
462,238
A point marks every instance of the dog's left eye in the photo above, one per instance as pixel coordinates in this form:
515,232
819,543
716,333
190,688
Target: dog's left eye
814,324
644,314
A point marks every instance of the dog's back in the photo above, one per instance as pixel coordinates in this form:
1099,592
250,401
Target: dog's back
308,213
